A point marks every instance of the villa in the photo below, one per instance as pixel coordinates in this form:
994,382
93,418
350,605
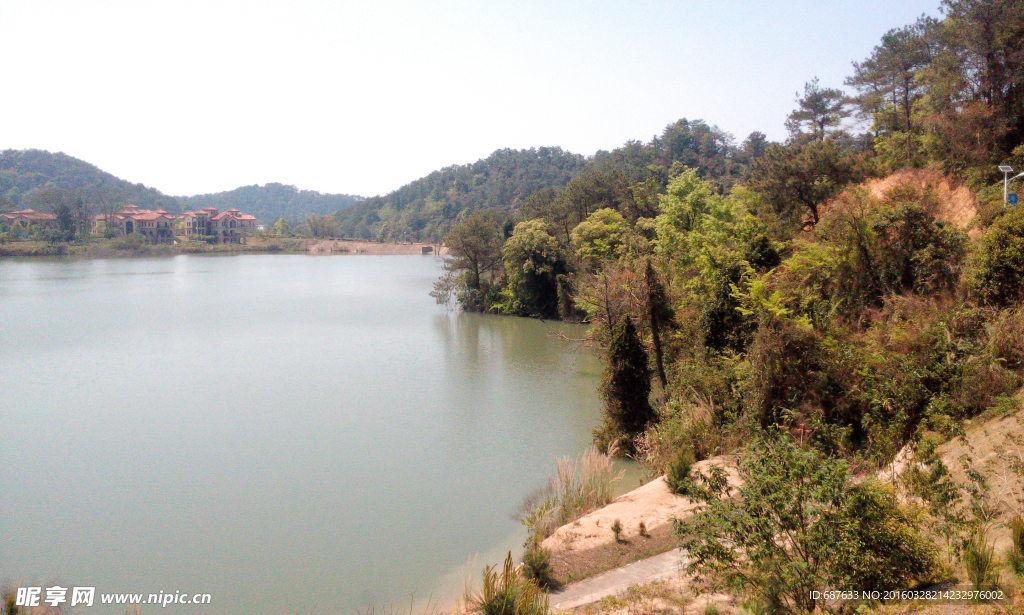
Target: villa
156,225
231,226
27,218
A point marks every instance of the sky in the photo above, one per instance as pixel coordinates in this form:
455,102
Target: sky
192,97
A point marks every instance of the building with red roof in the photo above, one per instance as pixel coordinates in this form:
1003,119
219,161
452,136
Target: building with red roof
231,226
155,225
27,219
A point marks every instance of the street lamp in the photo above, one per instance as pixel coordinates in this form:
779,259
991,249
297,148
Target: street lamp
1007,169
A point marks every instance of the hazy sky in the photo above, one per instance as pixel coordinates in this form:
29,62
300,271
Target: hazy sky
363,97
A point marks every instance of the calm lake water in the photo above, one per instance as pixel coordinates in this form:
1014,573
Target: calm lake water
290,434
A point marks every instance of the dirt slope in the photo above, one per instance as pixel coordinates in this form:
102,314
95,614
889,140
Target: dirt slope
957,204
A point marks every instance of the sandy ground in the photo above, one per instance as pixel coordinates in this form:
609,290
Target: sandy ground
652,503
330,246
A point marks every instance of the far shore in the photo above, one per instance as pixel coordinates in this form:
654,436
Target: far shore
123,248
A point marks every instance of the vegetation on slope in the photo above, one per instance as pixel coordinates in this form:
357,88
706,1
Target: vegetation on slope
810,322
27,175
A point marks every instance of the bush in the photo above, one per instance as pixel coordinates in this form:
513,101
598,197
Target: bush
1005,335
506,593
893,246
537,566
996,270
798,525
678,477
681,426
133,241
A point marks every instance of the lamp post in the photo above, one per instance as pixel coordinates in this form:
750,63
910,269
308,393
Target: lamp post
1007,169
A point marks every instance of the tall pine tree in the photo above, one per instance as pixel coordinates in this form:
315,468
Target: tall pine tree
626,388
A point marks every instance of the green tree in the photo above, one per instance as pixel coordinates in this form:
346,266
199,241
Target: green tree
890,89
980,60
281,228
797,178
660,316
474,252
69,208
600,237
532,260
888,83
820,112
321,227
626,388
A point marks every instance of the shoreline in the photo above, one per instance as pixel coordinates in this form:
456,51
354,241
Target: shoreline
256,245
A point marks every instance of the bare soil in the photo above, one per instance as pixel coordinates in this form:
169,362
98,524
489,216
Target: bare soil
588,546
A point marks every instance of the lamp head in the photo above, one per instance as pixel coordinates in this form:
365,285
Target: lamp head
1005,168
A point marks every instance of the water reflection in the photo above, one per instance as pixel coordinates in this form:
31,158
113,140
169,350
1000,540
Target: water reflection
279,431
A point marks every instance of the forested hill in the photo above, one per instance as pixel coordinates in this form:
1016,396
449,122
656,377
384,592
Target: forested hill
25,175
29,178
427,207
273,201
551,181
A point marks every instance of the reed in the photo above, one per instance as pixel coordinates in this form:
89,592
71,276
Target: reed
579,486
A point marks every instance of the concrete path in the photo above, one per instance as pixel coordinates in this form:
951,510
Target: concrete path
617,580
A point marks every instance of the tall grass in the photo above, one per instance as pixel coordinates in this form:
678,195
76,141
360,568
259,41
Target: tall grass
1015,556
506,593
580,486
981,562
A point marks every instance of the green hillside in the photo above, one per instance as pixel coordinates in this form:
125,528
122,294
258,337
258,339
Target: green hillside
426,208
273,201
26,174
28,178
546,179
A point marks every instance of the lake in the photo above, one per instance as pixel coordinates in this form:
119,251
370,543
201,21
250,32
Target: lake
287,433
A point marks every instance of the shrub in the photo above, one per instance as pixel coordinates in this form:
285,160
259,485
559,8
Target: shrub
506,593
799,525
617,530
1005,335
893,246
681,425
537,566
996,269
133,241
678,477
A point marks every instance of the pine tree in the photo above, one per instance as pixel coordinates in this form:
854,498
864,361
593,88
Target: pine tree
627,385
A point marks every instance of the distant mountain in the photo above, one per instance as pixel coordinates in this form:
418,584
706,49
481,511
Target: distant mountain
26,175
273,201
426,208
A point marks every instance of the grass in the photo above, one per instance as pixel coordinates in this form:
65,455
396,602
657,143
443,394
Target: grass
580,486
981,562
506,593
665,597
